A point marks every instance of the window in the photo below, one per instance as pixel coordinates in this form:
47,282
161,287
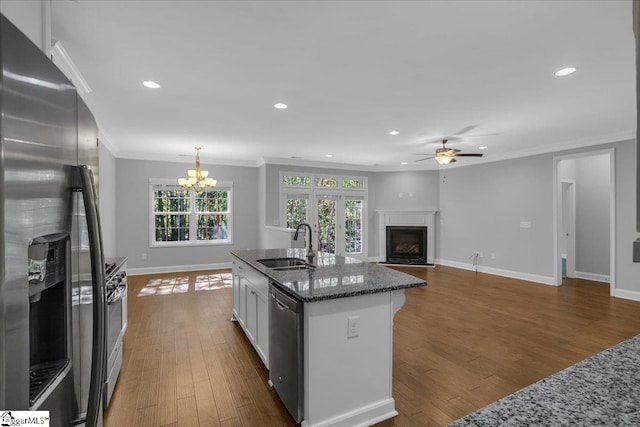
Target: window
180,217
296,180
296,209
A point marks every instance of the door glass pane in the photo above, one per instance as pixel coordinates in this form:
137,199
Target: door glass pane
327,225
296,210
353,226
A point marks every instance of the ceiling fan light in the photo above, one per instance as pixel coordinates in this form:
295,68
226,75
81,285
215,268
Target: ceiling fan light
444,159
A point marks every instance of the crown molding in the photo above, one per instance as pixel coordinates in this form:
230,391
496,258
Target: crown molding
577,144
61,58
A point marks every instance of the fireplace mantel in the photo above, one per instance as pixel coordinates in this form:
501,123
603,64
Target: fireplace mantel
424,218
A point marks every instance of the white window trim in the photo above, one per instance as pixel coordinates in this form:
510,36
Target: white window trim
312,192
221,185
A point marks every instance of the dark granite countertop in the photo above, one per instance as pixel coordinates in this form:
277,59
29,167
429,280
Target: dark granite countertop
602,390
335,276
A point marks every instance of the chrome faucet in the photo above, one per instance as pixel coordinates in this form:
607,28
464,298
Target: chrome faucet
310,253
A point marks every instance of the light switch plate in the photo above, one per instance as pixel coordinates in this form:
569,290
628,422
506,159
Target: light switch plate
353,326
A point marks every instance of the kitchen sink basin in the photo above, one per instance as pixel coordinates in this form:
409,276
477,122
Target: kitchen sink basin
286,264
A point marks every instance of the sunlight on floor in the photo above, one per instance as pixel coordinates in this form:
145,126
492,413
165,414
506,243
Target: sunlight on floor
181,284
211,282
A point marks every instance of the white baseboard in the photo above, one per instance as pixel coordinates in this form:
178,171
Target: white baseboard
593,276
176,268
546,280
360,417
623,293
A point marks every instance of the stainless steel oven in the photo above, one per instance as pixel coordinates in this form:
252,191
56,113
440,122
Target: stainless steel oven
115,320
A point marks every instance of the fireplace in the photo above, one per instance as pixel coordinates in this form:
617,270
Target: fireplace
407,245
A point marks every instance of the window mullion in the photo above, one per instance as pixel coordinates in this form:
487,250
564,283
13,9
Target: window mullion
193,227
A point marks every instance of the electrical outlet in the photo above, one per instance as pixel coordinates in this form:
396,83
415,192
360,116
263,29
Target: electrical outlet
353,326
525,224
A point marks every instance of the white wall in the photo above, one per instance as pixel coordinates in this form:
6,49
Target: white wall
107,196
132,216
482,206
627,273
27,16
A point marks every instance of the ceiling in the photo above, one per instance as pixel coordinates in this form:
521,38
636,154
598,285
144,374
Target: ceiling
351,71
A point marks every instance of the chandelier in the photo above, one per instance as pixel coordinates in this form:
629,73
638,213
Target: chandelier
197,179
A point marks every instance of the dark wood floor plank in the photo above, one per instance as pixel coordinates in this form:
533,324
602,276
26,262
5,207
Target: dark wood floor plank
460,343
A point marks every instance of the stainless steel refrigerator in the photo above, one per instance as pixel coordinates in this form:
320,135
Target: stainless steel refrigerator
52,292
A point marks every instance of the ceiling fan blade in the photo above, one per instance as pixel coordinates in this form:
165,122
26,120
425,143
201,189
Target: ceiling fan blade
468,154
426,158
466,129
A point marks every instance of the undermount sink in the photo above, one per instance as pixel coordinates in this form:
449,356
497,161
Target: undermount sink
286,264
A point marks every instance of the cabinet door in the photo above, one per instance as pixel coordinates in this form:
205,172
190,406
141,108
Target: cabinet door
252,313
236,293
262,340
242,306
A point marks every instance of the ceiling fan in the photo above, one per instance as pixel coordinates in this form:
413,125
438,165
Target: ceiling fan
445,155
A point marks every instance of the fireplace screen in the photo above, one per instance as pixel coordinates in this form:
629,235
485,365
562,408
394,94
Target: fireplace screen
407,245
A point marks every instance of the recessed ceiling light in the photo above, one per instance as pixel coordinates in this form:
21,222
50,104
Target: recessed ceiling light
328,155
280,106
404,163
394,132
484,147
565,71
150,84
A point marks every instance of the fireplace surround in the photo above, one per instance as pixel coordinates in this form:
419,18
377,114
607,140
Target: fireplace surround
407,219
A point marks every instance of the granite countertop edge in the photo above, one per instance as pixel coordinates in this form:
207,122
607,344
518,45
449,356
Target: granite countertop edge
377,278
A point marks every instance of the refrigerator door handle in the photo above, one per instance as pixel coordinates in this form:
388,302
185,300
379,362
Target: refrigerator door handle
85,183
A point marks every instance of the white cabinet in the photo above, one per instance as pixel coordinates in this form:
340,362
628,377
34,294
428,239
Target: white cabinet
262,327
251,322
250,306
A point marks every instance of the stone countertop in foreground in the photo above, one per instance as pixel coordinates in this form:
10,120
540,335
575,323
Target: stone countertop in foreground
335,276
601,390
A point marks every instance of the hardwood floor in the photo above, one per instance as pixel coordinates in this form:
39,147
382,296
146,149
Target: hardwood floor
460,343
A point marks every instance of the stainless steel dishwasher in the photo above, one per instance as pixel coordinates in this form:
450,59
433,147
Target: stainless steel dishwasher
285,350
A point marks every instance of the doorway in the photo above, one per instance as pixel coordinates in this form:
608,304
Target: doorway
568,233
581,235
338,224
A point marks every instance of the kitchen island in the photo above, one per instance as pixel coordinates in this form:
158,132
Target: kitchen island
347,324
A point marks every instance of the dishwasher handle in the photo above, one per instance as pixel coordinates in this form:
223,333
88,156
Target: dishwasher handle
280,305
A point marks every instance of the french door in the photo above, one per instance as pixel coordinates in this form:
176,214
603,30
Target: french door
338,224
